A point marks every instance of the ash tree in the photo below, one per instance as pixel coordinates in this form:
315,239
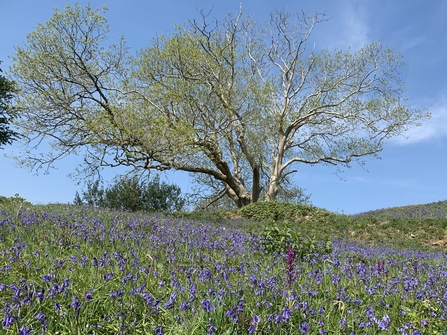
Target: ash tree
236,103
7,112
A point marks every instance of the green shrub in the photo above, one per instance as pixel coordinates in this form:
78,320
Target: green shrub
280,211
132,195
278,238
13,203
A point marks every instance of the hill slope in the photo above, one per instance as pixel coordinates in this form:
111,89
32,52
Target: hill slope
434,210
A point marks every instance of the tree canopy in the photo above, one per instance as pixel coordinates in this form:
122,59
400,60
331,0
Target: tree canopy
7,111
236,103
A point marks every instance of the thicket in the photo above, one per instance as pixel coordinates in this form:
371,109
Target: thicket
132,194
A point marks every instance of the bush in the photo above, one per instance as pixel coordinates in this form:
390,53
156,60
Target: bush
278,238
281,211
132,195
13,203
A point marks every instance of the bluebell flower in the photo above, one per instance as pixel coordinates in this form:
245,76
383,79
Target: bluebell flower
117,293
184,305
233,314
207,305
286,313
171,301
25,331
211,329
7,321
251,329
41,294
43,320
46,278
76,304
304,327
342,322
384,323
88,295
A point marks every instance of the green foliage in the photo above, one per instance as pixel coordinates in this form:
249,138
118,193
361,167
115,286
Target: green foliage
94,196
13,203
163,196
281,211
277,238
132,195
126,194
7,112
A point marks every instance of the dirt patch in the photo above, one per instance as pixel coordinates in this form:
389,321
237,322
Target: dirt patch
440,243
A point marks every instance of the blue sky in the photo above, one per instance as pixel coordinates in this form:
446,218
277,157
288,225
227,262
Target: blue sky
410,171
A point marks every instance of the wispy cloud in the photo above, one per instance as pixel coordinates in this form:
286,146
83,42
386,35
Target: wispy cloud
431,129
412,42
347,27
407,38
355,28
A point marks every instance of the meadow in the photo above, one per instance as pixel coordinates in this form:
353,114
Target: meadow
68,269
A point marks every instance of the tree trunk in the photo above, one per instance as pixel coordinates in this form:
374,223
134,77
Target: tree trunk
256,188
276,170
272,191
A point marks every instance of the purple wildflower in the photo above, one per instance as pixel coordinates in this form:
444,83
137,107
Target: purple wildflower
43,320
290,266
76,304
184,305
232,314
41,294
384,323
171,301
254,321
304,328
7,321
286,313
207,305
117,293
88,295
46,278
25,331
211,329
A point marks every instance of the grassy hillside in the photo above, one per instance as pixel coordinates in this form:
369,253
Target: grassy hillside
422,227
66,269
434,210
410,227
